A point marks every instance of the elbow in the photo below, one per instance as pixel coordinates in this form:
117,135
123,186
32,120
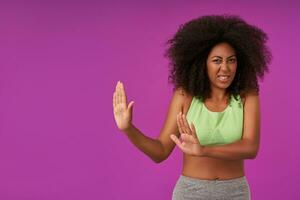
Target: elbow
251,149
161,155
252,156
158,160
253,153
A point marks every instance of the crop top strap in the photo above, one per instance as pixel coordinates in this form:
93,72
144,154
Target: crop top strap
236,102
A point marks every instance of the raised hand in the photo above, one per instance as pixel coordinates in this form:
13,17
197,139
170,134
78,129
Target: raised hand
190,143
122,113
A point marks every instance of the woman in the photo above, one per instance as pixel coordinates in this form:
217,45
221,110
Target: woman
214,113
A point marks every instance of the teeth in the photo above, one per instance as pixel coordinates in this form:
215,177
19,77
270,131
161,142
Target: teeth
223,78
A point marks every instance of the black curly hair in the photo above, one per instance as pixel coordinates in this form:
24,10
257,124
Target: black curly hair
189,48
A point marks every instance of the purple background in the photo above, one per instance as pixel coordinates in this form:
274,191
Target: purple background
59,63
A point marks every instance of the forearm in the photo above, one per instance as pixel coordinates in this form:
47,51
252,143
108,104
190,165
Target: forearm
241,149
151,147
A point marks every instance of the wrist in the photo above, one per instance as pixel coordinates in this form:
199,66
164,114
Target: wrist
129,129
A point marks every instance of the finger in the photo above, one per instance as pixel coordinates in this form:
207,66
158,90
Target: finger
116,87
120,103
179,125
123,97
123,94
119,97
130,106
114,100
186,130
177,142
186,124
118,93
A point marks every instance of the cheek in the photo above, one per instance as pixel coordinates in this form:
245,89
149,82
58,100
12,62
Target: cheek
233,68
212,68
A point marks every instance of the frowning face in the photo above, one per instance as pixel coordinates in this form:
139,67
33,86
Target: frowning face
221,65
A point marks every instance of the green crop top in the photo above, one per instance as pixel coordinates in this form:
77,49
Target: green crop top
217,128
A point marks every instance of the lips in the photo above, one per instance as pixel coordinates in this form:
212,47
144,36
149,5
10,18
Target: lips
223,77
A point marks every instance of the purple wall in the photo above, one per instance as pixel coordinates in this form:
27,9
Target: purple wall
59,63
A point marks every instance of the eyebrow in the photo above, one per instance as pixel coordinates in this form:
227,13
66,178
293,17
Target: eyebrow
221,57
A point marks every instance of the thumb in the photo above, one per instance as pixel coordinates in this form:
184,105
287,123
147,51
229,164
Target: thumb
130,106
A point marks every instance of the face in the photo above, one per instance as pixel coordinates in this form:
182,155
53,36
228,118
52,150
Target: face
221,65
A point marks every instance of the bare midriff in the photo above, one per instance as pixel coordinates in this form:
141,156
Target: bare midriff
212,168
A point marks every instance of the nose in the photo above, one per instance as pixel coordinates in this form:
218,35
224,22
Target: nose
224,66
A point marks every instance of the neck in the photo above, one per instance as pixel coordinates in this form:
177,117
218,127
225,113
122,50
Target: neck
218,94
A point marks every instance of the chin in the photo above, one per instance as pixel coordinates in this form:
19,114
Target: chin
223,85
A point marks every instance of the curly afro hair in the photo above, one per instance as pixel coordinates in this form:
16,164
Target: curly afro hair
189,48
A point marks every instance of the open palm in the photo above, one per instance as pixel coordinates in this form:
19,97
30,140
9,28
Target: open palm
189,143
122,112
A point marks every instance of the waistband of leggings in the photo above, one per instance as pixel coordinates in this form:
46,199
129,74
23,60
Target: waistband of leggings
238,179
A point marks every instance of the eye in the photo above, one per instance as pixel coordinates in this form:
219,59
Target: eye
232,60
217,61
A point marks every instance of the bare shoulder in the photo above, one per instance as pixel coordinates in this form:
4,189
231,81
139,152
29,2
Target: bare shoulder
178,98
250,97
186,99
182,92
181,97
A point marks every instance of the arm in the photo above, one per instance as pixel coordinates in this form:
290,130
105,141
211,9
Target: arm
248,146
151,147
160,148
245,148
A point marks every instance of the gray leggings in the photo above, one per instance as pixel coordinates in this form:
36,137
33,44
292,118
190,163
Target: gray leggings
188,188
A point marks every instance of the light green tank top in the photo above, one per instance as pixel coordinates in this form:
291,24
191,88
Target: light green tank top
217,128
